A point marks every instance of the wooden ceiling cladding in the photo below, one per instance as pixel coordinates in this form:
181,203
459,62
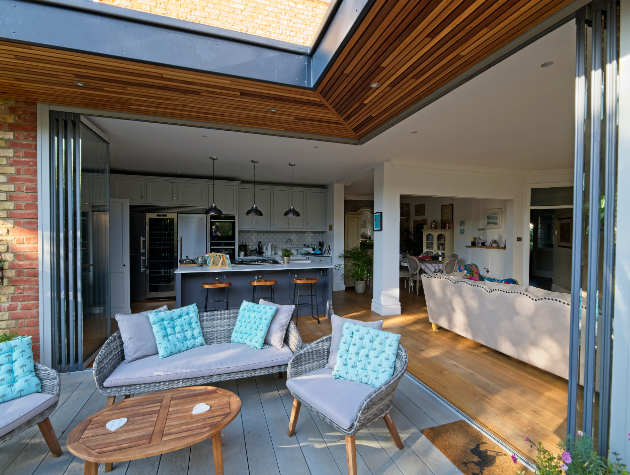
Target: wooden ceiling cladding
46,75
412,48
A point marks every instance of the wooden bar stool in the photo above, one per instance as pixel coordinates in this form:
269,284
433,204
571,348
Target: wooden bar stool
297,282
219,286
260,282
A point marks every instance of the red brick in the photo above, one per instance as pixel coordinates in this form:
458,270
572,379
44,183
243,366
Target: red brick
23,265
24,280
22,127
25,298
22,179
22,232
22,247
32,322
31,240
21,162
30,331
24,315
29,171
29,305
30,206
22,214
9,307
31,273
26,136
31,289
22,110
29,223
30,256
22,196
19,144
27,119
30,189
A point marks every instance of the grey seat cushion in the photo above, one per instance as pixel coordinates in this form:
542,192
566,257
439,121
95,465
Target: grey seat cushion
337,328
337,399
137,334
16,412
202,361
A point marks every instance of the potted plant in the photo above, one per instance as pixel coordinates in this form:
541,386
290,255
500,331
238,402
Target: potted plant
357,266
286,255
8,336
495,243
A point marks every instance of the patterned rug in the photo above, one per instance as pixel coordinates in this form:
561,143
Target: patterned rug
471,451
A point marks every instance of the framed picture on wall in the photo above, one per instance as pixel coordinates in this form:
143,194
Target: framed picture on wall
420,209
493,218
565,232
378,221
447,213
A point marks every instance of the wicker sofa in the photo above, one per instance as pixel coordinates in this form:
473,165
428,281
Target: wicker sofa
20,414
218,360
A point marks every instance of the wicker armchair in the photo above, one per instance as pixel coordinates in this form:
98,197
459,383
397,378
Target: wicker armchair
217,328
377,404
50,385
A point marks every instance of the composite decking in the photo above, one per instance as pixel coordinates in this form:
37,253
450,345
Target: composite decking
256,441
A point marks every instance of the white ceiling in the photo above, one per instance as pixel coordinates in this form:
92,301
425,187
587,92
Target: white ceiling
517,117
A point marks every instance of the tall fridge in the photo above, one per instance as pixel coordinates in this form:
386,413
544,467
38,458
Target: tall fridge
161,254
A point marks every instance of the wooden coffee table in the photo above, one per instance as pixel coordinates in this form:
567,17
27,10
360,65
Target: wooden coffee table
157,423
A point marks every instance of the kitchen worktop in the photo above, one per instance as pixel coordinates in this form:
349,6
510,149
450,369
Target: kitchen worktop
254,267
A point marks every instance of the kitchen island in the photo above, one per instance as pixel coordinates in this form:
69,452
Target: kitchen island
189,279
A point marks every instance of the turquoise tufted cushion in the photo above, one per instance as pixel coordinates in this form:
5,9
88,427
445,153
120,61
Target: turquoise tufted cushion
252,324
366,355
176,330
17,369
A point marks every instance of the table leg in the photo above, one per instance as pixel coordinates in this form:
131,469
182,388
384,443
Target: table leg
108,467
217,453
91,468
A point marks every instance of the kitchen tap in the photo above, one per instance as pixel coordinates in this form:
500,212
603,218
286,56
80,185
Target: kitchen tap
287,241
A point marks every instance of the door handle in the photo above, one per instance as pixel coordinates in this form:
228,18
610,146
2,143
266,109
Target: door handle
181,240
142,269
124,265
142,245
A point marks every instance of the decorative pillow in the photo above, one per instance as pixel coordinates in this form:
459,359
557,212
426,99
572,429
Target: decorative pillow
366,355
472,270
17,369
252,324
137,334
279,323
176,330
337,329
503,281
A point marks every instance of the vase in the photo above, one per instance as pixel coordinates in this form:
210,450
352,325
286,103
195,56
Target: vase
359,286
286,260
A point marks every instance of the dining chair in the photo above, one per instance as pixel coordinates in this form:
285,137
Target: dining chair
414,273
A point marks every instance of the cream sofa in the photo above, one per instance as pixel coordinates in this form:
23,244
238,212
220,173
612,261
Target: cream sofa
529,324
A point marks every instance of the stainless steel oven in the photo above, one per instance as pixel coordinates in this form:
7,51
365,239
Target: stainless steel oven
222,235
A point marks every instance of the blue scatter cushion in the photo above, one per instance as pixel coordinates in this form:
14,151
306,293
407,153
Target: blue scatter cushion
252,324
176,330
366,355
17,369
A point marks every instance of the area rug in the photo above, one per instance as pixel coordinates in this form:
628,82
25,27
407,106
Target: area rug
471,451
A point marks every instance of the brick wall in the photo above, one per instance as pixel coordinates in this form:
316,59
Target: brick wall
294,21
19,298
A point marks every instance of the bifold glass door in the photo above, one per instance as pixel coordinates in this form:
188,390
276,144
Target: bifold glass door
79,253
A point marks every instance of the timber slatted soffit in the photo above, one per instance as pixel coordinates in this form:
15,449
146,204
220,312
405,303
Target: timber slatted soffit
410,48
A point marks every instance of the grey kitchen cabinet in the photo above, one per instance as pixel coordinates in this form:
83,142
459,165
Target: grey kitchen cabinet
225,197
161,192
129,188
263,203
192,194
322,259
281,199
316,210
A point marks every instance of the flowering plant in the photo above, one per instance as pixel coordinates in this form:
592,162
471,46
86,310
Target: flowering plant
577,458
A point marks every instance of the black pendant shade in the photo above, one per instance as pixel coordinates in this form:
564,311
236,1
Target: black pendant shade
253,211
292,212
213,210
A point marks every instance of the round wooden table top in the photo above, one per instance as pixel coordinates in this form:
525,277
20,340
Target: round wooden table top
263,282
157,423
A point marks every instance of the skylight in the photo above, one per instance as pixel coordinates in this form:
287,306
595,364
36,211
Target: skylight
292,21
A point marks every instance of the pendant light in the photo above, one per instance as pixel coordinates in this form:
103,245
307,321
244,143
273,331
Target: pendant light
253,211
292,212
213,210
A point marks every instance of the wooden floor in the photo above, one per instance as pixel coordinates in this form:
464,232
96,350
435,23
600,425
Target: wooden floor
256,441
511,399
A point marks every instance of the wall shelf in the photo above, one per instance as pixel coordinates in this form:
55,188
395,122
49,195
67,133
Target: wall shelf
487,247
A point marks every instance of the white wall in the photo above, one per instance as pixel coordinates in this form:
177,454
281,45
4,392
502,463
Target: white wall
335,238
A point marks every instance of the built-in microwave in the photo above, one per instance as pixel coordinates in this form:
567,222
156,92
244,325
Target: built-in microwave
222,228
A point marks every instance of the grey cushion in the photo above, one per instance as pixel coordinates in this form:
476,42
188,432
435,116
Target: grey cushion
204,360
337,328
279,323
337,399
18,411
137,334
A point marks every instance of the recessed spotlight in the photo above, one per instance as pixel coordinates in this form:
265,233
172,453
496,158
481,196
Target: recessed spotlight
315,146
179,173
374,85
547,64
204,135
127,168
347,184
273,110
79,83
414,131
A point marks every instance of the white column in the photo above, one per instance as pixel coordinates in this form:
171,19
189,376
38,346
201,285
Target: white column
620,401
335,237
386,242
